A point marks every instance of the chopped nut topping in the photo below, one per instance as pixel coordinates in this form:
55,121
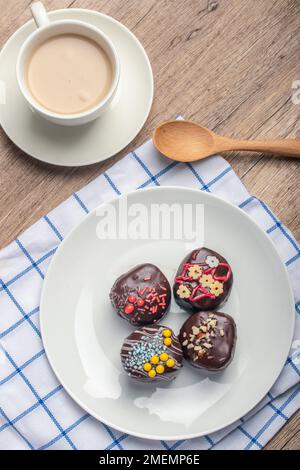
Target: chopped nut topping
207,345
203,328
213,323
201,353
190,346
185,342
192,337
197,348
184,334
222,332
195,330
212,334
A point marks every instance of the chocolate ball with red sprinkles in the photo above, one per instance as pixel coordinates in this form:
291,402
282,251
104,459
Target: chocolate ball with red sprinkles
142,295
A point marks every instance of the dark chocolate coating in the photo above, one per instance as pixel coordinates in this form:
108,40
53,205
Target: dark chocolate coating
144,343
147,284
208,340
195,278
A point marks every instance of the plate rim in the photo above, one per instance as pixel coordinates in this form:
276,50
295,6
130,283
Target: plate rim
151,96
194,434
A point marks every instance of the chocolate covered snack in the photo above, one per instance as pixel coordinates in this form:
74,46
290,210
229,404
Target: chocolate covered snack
203,281
152,354
208,340
142,295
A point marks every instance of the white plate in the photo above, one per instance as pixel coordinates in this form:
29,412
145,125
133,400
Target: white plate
82,335
92,142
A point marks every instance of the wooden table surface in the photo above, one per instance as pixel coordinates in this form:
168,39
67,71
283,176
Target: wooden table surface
229,64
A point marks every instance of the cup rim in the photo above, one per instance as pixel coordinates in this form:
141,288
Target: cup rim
61,116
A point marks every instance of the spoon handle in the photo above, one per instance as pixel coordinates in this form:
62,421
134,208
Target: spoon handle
284,147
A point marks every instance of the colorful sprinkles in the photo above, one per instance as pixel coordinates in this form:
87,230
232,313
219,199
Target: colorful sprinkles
151,355
142,295
150,299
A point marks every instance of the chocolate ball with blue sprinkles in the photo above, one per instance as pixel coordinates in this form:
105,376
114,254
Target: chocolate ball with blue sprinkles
152,354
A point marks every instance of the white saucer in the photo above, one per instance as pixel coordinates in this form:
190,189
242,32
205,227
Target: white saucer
82,335
93,142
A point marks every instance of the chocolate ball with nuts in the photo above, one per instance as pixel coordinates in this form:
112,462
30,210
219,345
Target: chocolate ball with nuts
208,340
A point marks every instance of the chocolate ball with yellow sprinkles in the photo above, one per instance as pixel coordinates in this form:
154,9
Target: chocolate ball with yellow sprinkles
152,354
142,295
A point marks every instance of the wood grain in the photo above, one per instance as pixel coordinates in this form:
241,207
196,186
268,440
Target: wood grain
229,64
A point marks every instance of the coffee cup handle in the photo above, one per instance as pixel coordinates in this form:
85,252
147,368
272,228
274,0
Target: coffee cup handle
39,14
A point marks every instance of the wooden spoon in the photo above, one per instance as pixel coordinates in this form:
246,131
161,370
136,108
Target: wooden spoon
186,141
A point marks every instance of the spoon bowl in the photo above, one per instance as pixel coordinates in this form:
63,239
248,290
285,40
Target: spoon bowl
187,141
180,140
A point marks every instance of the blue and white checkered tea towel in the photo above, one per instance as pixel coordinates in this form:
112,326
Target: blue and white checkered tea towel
36,413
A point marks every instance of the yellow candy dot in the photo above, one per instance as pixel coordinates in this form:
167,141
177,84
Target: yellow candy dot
167,341
164,357
167,333
152,373
160,369
170,363
147,366
154,359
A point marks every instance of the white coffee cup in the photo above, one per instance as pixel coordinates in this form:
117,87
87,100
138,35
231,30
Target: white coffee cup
46,30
